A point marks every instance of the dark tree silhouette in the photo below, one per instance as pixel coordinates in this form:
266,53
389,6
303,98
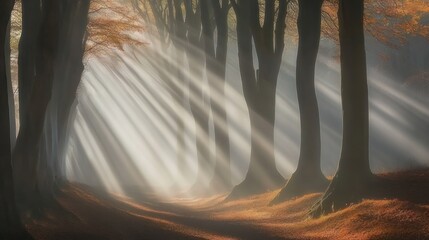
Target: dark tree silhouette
353,177
200,109
29,139
54,75
10,224
31,17
215,55
67,76
259,87
180,23
308,177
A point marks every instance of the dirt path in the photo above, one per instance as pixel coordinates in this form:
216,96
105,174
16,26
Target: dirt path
100,216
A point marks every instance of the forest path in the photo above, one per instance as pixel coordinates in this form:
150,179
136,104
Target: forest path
102,216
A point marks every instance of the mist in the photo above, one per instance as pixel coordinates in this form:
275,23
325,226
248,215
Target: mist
122,136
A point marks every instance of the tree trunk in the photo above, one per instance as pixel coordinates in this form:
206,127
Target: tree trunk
181,98
308,177
200,108
10,92
28,145
353,178
10,225
221,180
201,117
68,75
31,17
177,92
259,89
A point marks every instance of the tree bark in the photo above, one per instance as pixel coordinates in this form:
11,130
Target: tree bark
259,88
69,73
10,91
28,145
216,65
31,17
10,224
353,178
308,177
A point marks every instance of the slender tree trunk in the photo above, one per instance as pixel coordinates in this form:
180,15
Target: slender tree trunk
353,178
10,225
10,92
166,30
200,107
181,99
308,177
221,180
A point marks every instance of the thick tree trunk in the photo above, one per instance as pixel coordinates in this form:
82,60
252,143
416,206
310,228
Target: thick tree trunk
353,178
68,75
10,225
221,180
259,88
28,145
262,175
31,17
308,177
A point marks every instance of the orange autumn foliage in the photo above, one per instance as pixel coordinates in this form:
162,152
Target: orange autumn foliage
391,22
112,25
114,217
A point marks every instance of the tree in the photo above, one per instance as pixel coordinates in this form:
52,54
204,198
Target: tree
179,23
308,177
111,26
10,224
57,72
29,139
391,22
352,180
200,108
405,17
190,26
216,55
67,76
54,61
170,32
259,87
31,17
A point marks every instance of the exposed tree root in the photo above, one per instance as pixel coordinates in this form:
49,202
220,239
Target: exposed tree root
301,184
253,186
344,191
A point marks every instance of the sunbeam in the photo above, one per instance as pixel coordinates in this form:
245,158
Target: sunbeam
129,101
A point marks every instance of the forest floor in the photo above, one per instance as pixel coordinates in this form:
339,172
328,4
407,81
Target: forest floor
98,216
